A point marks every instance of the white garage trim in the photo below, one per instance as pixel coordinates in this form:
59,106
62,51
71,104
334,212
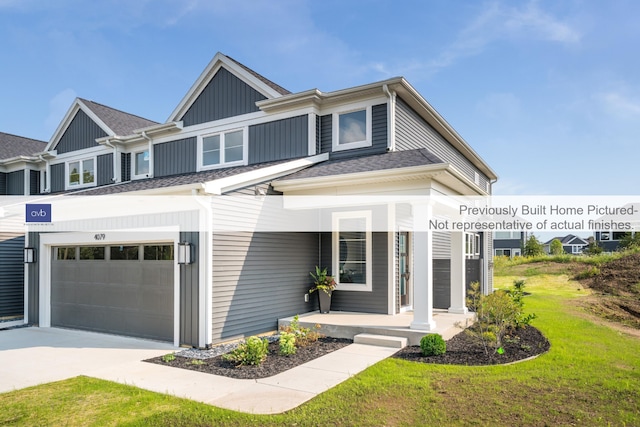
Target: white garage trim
151,235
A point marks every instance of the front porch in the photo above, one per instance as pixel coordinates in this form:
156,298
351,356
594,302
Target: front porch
343,324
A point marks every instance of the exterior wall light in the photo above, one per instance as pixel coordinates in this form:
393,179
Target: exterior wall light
29,255
184,253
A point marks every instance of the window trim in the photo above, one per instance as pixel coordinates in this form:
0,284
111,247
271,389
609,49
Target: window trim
335,253
133,164
335,120
223,133
81,184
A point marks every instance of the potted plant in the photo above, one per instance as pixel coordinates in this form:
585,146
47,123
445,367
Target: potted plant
324,284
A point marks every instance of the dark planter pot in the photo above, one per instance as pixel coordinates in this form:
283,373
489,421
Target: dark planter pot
325,301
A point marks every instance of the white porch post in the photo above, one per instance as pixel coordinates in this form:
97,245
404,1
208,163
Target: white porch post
458,274
422,270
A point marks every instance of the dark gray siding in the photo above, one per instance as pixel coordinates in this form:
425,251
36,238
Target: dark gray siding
413,132
81,133
33,304
189,293
367,302
3,183
379,138
175,157
282,139
442,283
259,278
125,167
15,183
34,182
104,169
507,243
57,177
225,96
11,274
441,245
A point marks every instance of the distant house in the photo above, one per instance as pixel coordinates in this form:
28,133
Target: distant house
163,276
508,243
609,240
571,244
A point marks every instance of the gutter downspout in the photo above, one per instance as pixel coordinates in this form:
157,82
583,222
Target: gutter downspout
114,178
151,166
47,174
391,114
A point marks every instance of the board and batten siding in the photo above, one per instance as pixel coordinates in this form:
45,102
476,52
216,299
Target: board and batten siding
104,169
125,167
3,183
413,132
175,157
11,273
225,96
81,133
15,183
33,285
366,302
34,182
278,140
379,137
57,177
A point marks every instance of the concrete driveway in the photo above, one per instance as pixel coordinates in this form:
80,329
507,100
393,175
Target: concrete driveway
32,356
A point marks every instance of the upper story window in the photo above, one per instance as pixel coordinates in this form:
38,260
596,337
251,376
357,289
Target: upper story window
352,256
81,173
225,148
141,164
352,129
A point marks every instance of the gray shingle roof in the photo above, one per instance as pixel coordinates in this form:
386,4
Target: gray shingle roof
14,146
263,79
390,160
118,121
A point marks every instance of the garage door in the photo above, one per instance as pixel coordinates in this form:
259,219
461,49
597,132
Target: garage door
119,289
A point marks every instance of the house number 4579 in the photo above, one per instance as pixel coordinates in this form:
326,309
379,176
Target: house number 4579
100,236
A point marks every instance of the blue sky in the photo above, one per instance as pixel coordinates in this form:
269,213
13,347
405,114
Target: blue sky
547,92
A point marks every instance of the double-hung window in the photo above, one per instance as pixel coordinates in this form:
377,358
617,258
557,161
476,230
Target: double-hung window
352,129
352,262
225,148
81,173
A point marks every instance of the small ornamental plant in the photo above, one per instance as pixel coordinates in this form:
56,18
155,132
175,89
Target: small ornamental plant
433,345
322,281
167,358
287,343
303,336
252,352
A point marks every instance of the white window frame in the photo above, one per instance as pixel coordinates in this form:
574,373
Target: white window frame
81,184
134,154
336,146
223,163
336,218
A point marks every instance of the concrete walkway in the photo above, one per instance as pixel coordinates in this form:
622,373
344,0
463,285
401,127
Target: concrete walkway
32,356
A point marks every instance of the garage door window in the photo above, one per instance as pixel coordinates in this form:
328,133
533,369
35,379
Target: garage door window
122,253
68,253
158,253
92,252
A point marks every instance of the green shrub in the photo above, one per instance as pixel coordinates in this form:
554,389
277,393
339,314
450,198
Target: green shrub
252,352
592,271
304,336
287,343
433,345
168,358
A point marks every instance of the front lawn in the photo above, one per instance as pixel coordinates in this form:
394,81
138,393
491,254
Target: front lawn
591,376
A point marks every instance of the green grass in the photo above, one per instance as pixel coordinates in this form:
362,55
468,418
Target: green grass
591,376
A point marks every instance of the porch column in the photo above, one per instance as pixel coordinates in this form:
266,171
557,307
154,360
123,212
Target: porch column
458,274
422,269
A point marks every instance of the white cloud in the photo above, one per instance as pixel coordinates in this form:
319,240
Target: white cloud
620,105
58,107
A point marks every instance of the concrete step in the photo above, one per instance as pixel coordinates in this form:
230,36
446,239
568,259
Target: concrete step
380,340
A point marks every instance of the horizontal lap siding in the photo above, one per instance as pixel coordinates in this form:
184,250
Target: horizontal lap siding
224,96
259,278
81,133
412,132
175,157
282,139
11,274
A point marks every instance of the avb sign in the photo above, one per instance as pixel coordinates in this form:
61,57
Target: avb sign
38,213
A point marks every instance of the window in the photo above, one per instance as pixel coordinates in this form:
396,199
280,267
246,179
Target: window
507,235
141,164
124,253
352,263
223,148
158,253
605,235
92,252
67,253
81,172
618,235
472,244
352,129
503,252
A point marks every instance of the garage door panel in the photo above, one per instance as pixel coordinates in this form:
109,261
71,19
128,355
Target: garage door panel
125,297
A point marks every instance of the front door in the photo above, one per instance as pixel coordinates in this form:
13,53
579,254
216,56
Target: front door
405,274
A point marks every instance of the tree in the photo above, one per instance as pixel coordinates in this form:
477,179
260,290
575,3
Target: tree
592,248
533,247
630,241
555,248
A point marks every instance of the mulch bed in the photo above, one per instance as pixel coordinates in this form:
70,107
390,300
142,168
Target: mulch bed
464,350
274,364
